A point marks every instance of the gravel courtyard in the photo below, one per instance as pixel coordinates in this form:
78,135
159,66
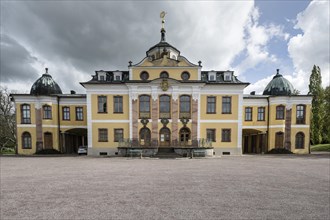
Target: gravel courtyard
233,187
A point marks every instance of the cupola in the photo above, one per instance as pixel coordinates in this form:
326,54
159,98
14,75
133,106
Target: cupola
278,86
45,85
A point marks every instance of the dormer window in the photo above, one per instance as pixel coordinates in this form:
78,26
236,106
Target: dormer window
102,76
227,76
212,76
117,76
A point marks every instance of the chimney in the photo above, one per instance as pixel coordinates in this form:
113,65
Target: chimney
72,92
253,93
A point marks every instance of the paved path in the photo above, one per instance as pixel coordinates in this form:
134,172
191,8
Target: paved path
246,187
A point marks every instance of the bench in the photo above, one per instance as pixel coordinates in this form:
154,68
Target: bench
135,151
200,153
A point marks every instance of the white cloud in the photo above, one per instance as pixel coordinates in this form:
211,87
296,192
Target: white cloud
256,41
311,47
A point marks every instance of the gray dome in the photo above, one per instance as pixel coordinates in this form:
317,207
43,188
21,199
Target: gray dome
278,86
45,85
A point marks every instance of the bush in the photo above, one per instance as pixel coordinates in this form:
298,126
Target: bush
279,151
48,151
7,150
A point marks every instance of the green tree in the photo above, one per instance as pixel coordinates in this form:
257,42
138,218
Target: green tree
7,120
326,118
316,90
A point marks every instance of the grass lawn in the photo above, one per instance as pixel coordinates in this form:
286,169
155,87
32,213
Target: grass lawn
321,147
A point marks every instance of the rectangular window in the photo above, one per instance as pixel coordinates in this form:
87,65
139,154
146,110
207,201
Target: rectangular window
280,112
103,135
66,113
47,112
261,113
144,106
102,104
79,114
25,114
210,135
226,135
226,105
248,114
211,105
117,104
119,135
300,114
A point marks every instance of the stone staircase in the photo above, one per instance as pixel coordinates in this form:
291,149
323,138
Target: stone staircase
166,152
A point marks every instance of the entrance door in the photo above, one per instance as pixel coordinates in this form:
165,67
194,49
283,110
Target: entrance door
184,136
279,139
145,137
253,144
48,139
164,137
246,144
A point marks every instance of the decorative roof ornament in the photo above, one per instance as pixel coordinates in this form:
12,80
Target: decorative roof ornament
162,31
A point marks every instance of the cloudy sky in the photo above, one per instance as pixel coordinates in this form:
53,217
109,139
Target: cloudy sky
75,38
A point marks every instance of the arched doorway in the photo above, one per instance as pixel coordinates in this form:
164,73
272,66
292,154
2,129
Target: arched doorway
145,136
48,140
72,139
164,137
184,136
279,139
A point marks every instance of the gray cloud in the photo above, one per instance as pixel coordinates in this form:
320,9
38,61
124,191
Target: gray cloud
75,38
15,60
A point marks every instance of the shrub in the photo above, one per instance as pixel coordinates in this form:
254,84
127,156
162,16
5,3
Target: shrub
279,151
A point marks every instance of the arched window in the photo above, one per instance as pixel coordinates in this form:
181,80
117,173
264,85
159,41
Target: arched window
185,106
163,74
144,106
164,106
25,114
145,136
300,140
26,140
47,112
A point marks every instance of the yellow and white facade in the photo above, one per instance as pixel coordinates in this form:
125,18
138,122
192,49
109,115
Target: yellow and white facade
164,101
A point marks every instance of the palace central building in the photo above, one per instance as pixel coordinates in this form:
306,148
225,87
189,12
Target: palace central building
164,101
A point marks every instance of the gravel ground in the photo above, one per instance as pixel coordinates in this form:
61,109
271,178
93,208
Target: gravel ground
233,187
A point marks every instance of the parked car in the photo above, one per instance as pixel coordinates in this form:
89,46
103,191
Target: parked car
82,150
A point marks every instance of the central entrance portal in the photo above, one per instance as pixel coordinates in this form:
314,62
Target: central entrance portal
184,136
145,137
164,137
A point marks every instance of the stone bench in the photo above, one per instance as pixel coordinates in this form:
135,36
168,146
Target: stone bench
199,153
134,151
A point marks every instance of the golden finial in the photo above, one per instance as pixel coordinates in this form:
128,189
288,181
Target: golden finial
162,16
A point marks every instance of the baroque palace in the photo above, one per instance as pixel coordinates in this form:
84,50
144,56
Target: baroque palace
164,101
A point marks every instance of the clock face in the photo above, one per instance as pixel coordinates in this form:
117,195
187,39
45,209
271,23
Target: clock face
162,14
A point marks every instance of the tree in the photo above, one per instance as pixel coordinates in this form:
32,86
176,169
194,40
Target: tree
7,120
326,119
295,92
316,90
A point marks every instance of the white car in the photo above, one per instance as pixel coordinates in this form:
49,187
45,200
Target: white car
82,150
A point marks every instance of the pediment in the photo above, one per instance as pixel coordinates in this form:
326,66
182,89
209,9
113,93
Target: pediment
165,62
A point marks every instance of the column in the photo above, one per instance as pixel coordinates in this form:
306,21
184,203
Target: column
194,119
135,119
287,137
175,117
39,128
154,118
